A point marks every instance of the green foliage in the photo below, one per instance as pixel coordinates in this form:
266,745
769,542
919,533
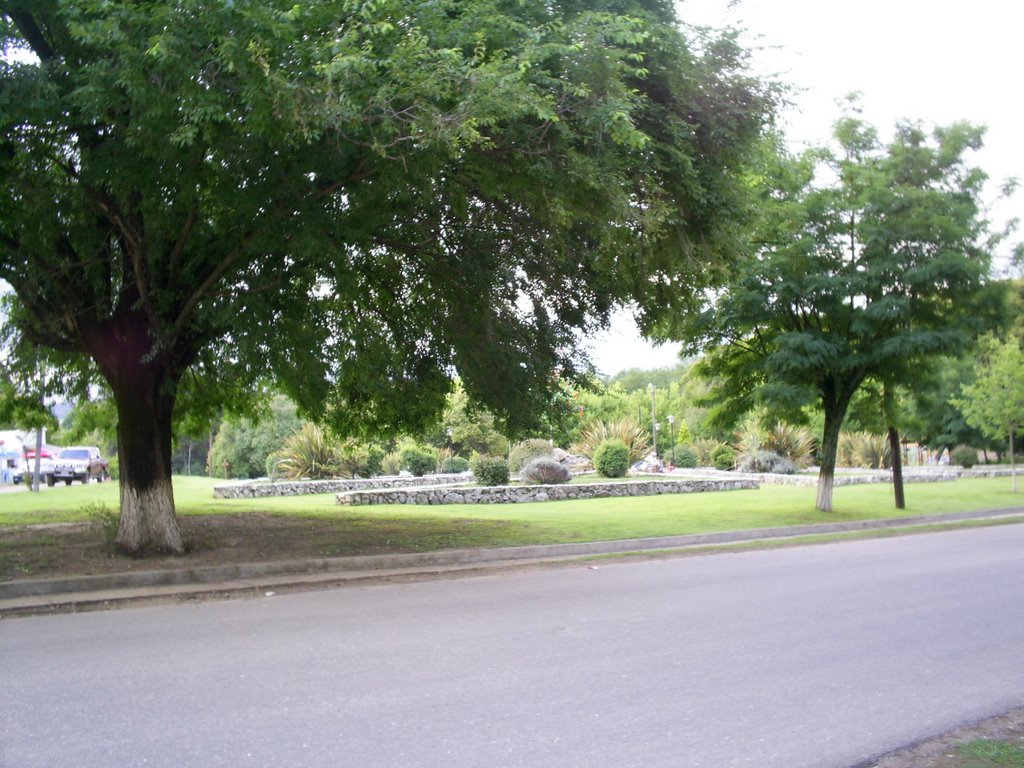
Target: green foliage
723,457
418,460
525,451
359,200
357,459
991,753
626,430
795,443
246,443
102,518
391,464
994,402
490,470
92,422
637,379
869,262
612,458
685,457
864,450
941,424
454,465
465,428
308,453
545,471
964,456
705,448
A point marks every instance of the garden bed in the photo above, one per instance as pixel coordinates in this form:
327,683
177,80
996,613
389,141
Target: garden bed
266,489
516,494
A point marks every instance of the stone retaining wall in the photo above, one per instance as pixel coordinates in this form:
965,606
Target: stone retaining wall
259,490
514,494
912,475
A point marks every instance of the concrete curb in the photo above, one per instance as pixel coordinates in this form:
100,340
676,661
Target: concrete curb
72,593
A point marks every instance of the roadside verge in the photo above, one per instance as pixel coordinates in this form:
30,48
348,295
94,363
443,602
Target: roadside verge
69,594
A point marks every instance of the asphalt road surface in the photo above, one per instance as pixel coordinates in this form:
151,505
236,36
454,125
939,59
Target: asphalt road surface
814,656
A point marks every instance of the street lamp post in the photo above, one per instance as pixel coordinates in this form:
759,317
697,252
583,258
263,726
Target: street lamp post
672,436
654,420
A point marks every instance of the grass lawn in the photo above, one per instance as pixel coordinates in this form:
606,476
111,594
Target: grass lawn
556,521
221,531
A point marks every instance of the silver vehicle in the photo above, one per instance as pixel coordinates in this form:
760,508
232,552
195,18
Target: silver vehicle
81,463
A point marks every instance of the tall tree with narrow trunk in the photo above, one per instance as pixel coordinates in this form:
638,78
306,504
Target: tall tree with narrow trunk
870,262
356,200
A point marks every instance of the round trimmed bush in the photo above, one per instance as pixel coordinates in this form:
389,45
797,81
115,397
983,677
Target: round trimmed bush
723,457
453,465
525,451
611,458
545,471
685,457
965,456
419,461
490,470
766,462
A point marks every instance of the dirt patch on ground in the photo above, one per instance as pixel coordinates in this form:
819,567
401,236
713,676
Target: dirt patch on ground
82,549
943,752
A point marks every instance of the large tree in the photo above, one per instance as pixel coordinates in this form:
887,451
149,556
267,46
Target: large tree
871,261
357,199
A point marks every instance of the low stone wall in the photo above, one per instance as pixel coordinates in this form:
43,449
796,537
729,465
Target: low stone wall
264,489
516,494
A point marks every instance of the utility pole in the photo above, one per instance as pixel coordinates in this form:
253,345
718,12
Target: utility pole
654,419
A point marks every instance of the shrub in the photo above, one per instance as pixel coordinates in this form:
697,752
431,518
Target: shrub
611,458
453,465
356,459
705,447
863,449
685,456
418,460
545,471
391,464
525,451
766,462
794,443
307,452
636,438
490,470
723,457
104,519
965,456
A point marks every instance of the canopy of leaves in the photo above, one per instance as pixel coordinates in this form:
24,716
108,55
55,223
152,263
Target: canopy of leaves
994,402
360,198
870,262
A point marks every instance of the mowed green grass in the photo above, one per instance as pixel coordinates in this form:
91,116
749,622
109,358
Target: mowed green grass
551,522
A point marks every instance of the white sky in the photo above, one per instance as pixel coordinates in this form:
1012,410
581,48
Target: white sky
930,60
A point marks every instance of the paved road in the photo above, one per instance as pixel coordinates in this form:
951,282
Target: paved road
817,656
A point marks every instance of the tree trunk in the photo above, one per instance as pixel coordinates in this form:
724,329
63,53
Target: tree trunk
145,395
897,467
829,448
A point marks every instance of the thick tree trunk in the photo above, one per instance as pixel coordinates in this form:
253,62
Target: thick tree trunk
827,455
144,392
144,436
897,468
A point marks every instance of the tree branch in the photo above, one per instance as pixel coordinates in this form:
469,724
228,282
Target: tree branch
33,33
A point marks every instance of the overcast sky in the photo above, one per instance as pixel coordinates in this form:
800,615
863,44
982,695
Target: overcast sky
927,60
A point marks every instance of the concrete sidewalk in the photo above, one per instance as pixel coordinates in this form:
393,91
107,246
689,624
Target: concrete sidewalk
70,594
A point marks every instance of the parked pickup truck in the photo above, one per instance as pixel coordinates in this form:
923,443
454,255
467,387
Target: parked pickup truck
79,463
